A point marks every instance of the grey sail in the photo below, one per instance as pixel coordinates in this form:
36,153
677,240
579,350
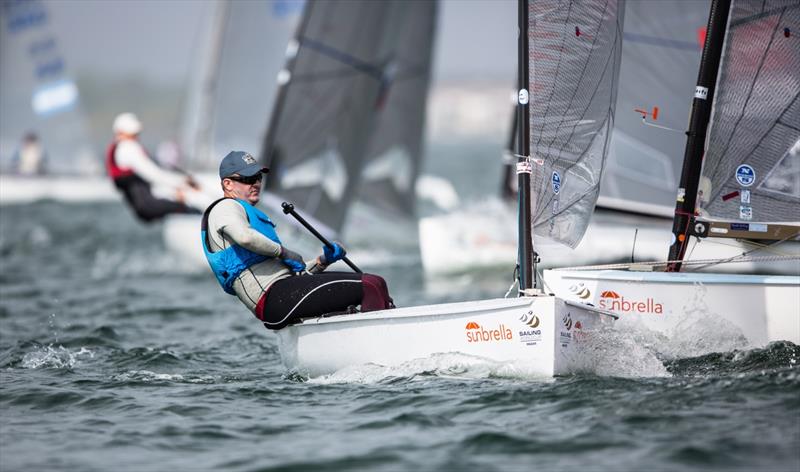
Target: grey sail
751,169
244,50
37,90
575,50
331,93
662,46
395,150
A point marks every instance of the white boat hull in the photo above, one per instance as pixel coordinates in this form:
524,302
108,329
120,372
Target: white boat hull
763,308
20,189
538,335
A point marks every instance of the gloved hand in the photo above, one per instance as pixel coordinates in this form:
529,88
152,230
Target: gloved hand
332,254
292,260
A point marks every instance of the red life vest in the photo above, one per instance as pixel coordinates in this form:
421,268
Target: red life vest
114,171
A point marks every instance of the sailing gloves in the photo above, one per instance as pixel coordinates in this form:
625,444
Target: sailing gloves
330,254
292,260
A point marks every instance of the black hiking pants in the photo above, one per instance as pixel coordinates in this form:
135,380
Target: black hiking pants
147,207
304,296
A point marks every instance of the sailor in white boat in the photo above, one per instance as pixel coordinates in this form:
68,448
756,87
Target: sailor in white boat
135,174
275,283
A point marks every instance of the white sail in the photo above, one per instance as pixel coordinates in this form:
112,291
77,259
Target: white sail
575,50
751,169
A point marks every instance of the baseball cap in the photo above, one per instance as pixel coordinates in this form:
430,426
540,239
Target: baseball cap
240,162
127,123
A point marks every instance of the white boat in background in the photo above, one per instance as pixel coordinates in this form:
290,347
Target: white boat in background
738,182
537,334
40,98
19,189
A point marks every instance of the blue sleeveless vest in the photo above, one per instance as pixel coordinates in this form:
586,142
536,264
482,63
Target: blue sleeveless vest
232,261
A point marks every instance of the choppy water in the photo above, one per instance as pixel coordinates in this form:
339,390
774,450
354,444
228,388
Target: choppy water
114,357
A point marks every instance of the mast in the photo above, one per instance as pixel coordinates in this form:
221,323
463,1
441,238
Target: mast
524,169
698,125
507,190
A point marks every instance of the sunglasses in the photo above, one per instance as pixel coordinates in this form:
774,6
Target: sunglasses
253,179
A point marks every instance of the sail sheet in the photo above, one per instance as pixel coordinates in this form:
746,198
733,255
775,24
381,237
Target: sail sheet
574,51
661,49
751,169
340,69
233,93
395,149
38,92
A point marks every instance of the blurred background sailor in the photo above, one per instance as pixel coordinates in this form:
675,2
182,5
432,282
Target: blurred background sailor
151,191
30,158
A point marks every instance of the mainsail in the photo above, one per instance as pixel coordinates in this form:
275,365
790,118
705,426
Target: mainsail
395,150
342,66
37,91
575,49
751,170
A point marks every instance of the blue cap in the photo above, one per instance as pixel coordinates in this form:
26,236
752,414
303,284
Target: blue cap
240,162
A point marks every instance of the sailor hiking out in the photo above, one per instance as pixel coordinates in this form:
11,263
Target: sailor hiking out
135,174
250,261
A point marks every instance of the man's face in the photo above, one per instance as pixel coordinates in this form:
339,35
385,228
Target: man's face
244,188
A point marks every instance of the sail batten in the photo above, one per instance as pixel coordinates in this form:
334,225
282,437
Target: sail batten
575,50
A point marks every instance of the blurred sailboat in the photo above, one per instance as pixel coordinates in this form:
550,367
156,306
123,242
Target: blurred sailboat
39,95
347,120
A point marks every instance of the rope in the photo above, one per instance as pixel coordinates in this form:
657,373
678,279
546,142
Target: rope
732,260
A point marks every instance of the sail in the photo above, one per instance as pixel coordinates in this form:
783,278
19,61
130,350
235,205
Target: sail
38,92
751,169
341,65
575,49
395,149
244,50
661,49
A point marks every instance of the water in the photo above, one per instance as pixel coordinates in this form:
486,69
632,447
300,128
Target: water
113,357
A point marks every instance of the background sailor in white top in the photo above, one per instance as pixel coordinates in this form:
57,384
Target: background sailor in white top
274,282
137,175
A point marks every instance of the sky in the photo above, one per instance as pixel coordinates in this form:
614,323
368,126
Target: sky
157,39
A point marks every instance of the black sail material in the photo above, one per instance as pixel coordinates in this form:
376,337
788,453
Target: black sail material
751,169
321,131
395,150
